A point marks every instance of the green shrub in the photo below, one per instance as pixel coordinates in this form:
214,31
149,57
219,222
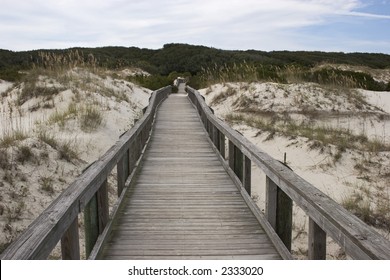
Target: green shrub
10,75
348,79
152,82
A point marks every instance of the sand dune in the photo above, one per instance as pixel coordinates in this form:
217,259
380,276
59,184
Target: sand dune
356,174
67,121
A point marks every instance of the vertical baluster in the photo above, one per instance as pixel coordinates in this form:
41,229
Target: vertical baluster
70,246
102,206
317,242
91,225
122,172
247,176
215,137
231,155
222,145
210,129
279,212
238,163
95,217
132,159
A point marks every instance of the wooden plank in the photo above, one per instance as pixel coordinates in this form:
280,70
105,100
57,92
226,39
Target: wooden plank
39,239
279,212
271,202
247,175
183,201
197,257
317,242
102,206
358,239
222,144
91,224
231,155
238,163
70,247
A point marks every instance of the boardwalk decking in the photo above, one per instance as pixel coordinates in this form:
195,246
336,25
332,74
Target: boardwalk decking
183,204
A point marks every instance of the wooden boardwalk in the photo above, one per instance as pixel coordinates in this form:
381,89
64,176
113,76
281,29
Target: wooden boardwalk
183,204
184,199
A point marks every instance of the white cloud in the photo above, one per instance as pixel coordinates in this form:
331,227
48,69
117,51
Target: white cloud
259,24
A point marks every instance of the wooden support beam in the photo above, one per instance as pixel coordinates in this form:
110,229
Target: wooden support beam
102,206
132,159
210,129
96,215
238,163
216,137
317,242
279,212
247,175
231,155
70,247
271,201
222,145
91,224
122,173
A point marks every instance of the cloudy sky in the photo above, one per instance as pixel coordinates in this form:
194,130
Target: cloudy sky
325,25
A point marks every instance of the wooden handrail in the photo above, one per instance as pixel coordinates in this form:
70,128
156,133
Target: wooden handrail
284,186
89,193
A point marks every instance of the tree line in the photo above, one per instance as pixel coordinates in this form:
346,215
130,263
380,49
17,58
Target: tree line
193,61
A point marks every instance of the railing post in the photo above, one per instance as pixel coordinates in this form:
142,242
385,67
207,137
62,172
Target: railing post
132,159
279,212
95,217
122,172
102,206
91,225
211,129
238,163
236,160
317,242
247,175
222,144
231,155
216,137
70,246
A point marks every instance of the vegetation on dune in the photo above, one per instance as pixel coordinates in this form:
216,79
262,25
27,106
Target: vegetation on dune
203,64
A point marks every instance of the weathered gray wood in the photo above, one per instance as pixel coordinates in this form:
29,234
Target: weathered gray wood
91,224
317,242
357,239
183,201
39,239
231,155
215,138
271,201
222,144
70,246
284,218
247,175
238,163
122,173
198,257
102,206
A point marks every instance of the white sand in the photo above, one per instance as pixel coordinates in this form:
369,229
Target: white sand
23,196
337,180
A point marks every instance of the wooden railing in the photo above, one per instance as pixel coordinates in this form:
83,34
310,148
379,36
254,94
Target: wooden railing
88,193
283,187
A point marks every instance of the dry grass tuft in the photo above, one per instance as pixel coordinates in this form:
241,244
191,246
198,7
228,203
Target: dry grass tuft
90,118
